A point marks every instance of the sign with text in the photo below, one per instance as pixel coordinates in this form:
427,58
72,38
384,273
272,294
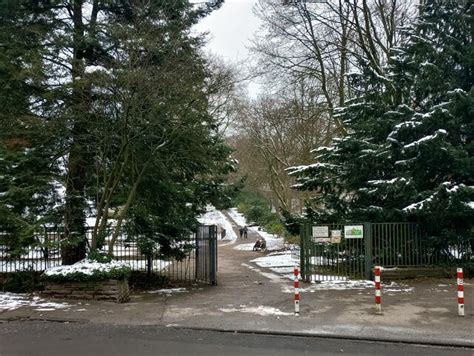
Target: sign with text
321,234
354,231
336,236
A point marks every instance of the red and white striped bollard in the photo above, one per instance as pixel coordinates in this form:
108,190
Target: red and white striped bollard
460,292
296,284
378,292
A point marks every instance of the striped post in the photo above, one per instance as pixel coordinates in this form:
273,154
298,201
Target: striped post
378,292
460,292
296,284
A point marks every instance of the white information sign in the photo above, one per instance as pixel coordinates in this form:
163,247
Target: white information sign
354,231
336,236
321,234
320,231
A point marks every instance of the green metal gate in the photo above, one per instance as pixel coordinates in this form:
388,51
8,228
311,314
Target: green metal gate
385,244
206,254
325,260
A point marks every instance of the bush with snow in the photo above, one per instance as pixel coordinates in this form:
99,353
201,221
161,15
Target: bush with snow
88,270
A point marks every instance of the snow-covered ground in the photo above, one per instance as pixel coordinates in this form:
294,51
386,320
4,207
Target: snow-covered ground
237,217
215,217
274,242
260,310
11,301
168,292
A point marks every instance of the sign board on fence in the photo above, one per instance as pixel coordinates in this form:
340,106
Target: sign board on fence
320,231
321,234
354,231
336,236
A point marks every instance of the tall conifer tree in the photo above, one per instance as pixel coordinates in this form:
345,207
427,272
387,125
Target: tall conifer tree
409,151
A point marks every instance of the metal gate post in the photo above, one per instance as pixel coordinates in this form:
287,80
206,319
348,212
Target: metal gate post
213,254
302,251
305,255
368,250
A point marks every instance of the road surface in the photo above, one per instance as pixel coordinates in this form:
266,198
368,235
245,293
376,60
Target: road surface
59,338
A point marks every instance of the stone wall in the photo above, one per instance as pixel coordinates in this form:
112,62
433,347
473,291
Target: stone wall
112,289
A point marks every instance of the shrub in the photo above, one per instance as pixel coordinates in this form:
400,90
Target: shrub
22,281
87,270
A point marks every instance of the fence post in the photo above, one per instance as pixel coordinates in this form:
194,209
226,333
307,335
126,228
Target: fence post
460,283
378,292
213,254
302,250
149,265
368,250
296,285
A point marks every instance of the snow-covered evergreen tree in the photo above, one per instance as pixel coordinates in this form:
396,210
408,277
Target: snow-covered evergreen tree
409,151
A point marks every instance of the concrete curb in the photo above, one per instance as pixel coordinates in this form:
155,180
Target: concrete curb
391,340
454,344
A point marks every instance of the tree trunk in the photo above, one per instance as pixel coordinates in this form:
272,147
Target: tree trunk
74,242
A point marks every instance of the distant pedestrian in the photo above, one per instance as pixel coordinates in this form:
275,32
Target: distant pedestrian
241,231
245,232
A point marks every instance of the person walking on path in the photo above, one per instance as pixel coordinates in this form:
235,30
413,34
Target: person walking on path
245,232
241,231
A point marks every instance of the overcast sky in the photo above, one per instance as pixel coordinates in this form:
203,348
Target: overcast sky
230,29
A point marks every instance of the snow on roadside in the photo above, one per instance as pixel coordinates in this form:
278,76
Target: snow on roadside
237,217
282,263
215,217
12,301
260,310
277,260
244,247
168,291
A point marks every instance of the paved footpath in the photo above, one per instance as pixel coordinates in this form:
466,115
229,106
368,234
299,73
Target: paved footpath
249,298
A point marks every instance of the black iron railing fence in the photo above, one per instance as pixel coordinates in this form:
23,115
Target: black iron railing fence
45,251
385,244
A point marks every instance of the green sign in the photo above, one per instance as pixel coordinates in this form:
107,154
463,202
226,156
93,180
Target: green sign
354,231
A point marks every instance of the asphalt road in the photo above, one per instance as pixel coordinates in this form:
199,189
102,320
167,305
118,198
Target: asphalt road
58,338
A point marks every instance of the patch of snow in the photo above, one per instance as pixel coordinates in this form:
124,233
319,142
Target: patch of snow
215,217
334,285
324,261
244,247
12,301
168,291
92,69
405,290
237,217
426,138
420,204
260,310
281,260
389,181
85,266
298,169
141,265
24,265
